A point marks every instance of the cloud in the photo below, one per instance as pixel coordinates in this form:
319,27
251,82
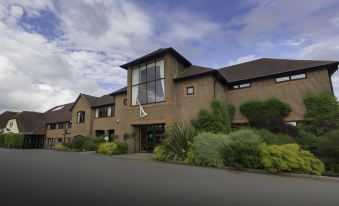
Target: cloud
243,59
268,18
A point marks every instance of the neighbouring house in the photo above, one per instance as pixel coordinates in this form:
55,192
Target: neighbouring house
58,123
4,117
30,125
172,90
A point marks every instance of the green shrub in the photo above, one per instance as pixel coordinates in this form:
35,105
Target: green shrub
2,139
122,147
271,109
113,148
14,140
217,121
161,153
69,145
289,158
78,143
252,109
274,108
177,142
92,143
269,115
208,149
322,106
271,138
243,149
61,147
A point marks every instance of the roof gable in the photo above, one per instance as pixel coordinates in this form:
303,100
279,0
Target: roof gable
157,54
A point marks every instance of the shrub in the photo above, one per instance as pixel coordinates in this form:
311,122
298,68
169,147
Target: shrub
322,106
243,149
275,125
177,142
61,147
122,147
69,144
208,149
92,143
289,158
271,138
14,140
274,108
252,109
217,121
78,143
2,139
160,152
113,148
328,150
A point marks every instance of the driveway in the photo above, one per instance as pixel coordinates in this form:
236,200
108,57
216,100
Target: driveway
42,177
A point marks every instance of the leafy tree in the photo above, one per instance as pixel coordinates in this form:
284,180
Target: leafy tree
322,106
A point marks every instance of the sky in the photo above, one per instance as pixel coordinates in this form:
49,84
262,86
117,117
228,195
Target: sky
50,51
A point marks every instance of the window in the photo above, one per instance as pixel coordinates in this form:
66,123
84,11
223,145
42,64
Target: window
48,126
292,77
125,101
282,79
190,90
298,76
53,126
103,112
81,117
148,83
240,86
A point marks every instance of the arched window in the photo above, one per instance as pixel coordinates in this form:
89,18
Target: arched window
81,117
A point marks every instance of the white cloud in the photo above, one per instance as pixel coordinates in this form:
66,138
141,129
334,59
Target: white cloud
96,37
269,17
243,59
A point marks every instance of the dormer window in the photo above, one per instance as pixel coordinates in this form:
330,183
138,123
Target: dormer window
148,82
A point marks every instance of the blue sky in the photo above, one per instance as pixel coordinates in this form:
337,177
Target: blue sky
51,51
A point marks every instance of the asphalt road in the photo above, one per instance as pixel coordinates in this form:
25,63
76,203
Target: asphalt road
42,177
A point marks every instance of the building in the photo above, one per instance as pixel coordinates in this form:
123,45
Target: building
58,124
30,125
172,90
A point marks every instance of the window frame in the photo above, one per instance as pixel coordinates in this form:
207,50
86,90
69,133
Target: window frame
187,90
290,77
79,117
241,86
146,82
98,110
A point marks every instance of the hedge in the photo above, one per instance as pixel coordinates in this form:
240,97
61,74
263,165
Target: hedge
13,140
271,108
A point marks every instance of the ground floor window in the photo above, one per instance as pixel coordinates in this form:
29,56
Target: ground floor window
99,133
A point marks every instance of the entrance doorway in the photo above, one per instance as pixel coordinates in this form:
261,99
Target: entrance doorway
150,136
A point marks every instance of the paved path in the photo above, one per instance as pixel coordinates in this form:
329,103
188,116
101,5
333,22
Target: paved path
42,177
